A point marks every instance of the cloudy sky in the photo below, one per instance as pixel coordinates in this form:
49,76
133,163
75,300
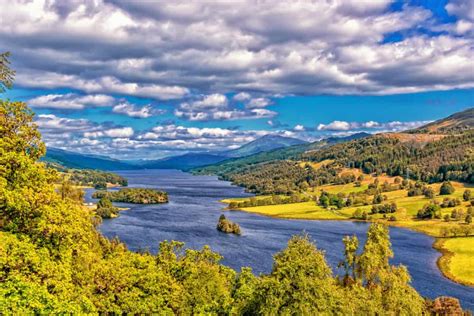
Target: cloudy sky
142,79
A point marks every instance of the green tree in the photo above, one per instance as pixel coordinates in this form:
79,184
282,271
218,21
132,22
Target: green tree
446,188
303,267
6,74
466,195
468,219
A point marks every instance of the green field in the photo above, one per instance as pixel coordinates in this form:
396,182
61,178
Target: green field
305,210
458,253
457,262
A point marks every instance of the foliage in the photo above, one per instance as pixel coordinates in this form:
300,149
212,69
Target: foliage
53,260
446,188
105,209
133,195
226,226
6,74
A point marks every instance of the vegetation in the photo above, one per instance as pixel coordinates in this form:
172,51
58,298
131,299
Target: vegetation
91,178
458,254
226,226
133,195
53,260
105,209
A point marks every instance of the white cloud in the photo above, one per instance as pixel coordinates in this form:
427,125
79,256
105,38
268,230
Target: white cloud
335,126
167,51
70,101
258,103
299,128
134,111
216,107
122,132
388,126
242,96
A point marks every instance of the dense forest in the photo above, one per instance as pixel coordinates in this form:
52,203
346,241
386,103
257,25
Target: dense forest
447,157
87,177
133,195
450,158
53,260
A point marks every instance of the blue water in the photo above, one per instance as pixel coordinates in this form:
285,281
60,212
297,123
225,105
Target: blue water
194,208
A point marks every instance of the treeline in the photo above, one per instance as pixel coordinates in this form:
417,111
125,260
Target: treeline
133,195
449,158
87,177
285,177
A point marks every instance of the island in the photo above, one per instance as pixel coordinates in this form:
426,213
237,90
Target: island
133,195
226,226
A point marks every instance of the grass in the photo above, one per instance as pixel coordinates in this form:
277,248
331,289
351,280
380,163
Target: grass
458,252
457,260
305,210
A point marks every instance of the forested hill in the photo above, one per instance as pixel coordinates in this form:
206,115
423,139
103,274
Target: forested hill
292,152
457,122
448,158
81,161
418,154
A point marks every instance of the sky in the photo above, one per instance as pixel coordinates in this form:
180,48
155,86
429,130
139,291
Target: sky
146,79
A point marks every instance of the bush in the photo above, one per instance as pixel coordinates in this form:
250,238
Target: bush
446,188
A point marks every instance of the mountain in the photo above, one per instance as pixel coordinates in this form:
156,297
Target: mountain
195,160
264,143
71,159
184,162
457,122
291,152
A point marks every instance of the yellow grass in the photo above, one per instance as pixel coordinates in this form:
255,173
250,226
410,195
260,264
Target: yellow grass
305,210
457,260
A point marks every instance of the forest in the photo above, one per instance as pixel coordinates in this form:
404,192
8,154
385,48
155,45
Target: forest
133,195
53,259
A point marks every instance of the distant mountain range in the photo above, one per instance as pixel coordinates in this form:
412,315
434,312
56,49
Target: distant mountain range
71,159
183,162
266,148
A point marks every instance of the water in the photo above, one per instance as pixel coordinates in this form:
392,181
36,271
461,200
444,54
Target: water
194,208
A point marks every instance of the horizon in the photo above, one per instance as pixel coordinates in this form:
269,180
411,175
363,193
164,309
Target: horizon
135,81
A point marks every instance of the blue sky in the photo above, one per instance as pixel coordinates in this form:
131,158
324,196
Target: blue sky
137,80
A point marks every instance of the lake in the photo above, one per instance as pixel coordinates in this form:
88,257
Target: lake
194,208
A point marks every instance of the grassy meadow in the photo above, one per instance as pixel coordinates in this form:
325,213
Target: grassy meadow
459,250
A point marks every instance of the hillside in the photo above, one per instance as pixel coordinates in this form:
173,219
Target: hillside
195,160
71,159
184,162
455,123
292,152
265,143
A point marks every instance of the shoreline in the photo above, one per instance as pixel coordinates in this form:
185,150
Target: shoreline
442,262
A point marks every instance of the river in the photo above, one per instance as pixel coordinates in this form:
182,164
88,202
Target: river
194,208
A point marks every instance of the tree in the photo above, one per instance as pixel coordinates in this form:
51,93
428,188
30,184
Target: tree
6,74
466,195
428,192
351,244
468,219
303,267
446,188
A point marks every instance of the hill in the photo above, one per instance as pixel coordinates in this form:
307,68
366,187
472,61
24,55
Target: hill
184,162
75,160
195,160
457,122
292,152
264,143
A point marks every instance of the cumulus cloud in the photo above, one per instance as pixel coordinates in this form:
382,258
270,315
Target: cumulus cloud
258,103
169,50
338,126
217,107
135,111
70,101
299,128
